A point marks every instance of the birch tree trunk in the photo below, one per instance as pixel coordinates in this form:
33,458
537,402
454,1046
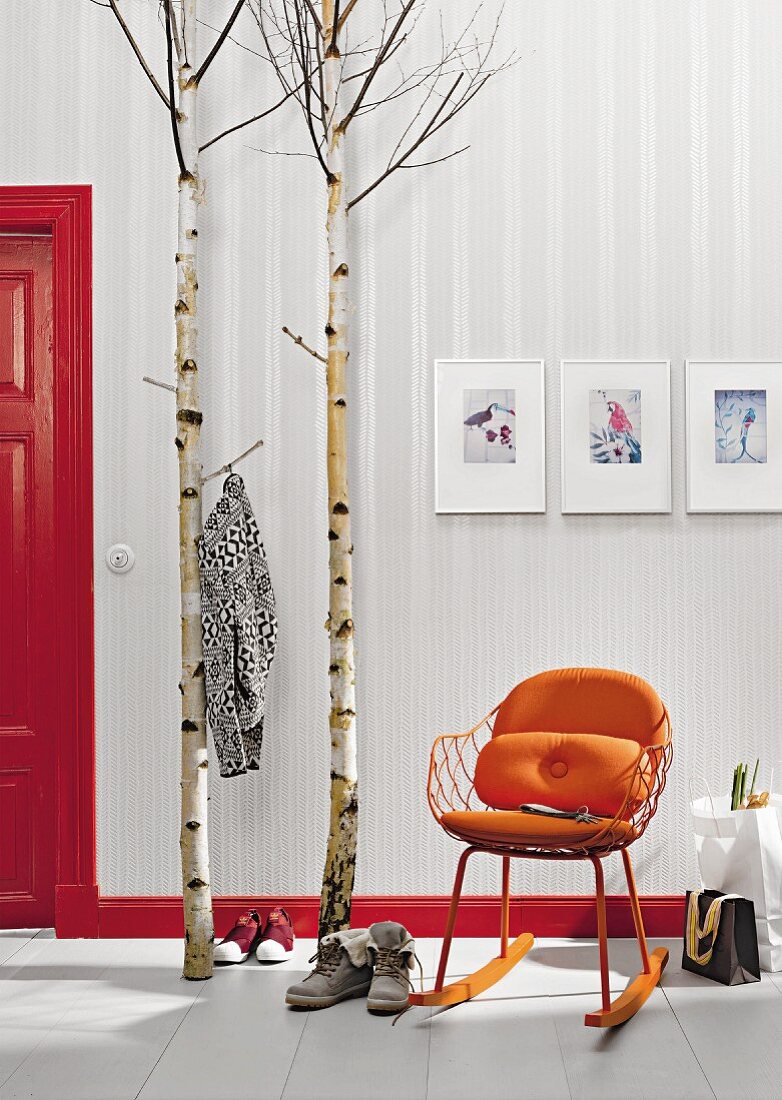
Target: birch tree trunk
341,848
196,891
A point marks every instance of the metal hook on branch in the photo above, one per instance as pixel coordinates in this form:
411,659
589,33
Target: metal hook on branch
228,468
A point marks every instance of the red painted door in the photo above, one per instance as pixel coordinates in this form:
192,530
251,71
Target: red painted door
28,596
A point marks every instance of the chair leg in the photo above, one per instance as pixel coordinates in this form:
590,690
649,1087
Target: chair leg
640,988
452,910
505,918
636,907
602,932
464,988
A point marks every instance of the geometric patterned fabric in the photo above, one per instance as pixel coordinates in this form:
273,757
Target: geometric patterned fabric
240,628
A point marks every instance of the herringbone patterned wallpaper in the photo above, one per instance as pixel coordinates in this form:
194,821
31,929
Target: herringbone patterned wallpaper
620,198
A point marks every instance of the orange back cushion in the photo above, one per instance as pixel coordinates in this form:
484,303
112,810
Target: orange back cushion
585,700
554,769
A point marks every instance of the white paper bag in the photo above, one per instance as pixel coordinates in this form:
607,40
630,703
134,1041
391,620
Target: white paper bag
740,852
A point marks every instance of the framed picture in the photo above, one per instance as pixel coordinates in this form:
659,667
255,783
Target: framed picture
734,436
616,435
489,435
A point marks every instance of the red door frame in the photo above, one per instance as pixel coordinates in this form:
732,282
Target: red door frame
66,213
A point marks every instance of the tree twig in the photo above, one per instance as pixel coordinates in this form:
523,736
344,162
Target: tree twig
172,100
139,55
255,118
437,160
314,14
228,468
379,59
427,132
221,38
282,152
163,385
298,340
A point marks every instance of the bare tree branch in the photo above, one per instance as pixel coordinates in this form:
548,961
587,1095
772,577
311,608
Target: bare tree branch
427,132
343,18
172,100
314,14
247,121
298,340
281,152
437,160
332,50
221,38
139,55
382,55
154,382
228,468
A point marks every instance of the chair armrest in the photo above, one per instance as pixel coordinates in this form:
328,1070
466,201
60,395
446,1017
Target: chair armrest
451,780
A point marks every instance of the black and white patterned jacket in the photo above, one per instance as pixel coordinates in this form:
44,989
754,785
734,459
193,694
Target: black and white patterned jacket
240,628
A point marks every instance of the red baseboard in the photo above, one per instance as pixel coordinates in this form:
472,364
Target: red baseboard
76,912
543,915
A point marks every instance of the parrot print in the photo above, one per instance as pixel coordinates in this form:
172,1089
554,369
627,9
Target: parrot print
615,426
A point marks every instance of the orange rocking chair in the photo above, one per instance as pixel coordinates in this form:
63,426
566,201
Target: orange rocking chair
569,739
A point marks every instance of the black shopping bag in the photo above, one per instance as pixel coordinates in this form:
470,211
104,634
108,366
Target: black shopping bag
720,938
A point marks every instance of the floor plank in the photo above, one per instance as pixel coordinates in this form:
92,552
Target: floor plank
734,1031
37,986
647,1058
241,1019
13,941
506,1048
107,1039
345,1052
93,1019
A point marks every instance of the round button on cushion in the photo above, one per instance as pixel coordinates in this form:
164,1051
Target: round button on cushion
559,769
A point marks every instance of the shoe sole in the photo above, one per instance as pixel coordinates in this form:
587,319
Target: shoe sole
279,955
296,1001
386,1008
232,962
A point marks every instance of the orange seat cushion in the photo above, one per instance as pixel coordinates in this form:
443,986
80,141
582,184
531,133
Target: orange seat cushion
585,700
531,830
562,770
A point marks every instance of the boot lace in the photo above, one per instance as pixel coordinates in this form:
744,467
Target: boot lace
390,963
326,959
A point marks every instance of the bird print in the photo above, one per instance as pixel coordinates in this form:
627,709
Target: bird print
746,424
479,419
619,423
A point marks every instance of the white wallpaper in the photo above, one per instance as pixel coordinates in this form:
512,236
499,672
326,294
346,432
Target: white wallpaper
620,199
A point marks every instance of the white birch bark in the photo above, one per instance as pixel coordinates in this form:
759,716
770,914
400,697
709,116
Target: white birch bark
196,891
343,819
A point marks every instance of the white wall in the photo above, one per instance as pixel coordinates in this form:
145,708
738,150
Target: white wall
621,198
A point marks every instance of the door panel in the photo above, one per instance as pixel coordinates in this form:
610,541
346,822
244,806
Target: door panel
28,684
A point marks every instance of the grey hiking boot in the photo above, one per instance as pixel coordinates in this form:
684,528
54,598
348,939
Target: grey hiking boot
341,971
391,949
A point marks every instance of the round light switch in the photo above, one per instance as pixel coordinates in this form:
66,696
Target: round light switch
120,558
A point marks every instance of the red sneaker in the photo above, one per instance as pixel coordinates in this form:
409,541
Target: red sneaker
240,941
276,943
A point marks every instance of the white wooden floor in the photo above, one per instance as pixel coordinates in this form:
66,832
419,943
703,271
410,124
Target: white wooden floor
112,1020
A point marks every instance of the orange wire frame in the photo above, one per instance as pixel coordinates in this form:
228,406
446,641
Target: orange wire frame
451,786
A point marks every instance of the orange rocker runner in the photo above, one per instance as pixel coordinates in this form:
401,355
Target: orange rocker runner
538,751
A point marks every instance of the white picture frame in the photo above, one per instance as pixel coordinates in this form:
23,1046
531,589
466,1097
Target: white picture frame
721,477
499,464
629,402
